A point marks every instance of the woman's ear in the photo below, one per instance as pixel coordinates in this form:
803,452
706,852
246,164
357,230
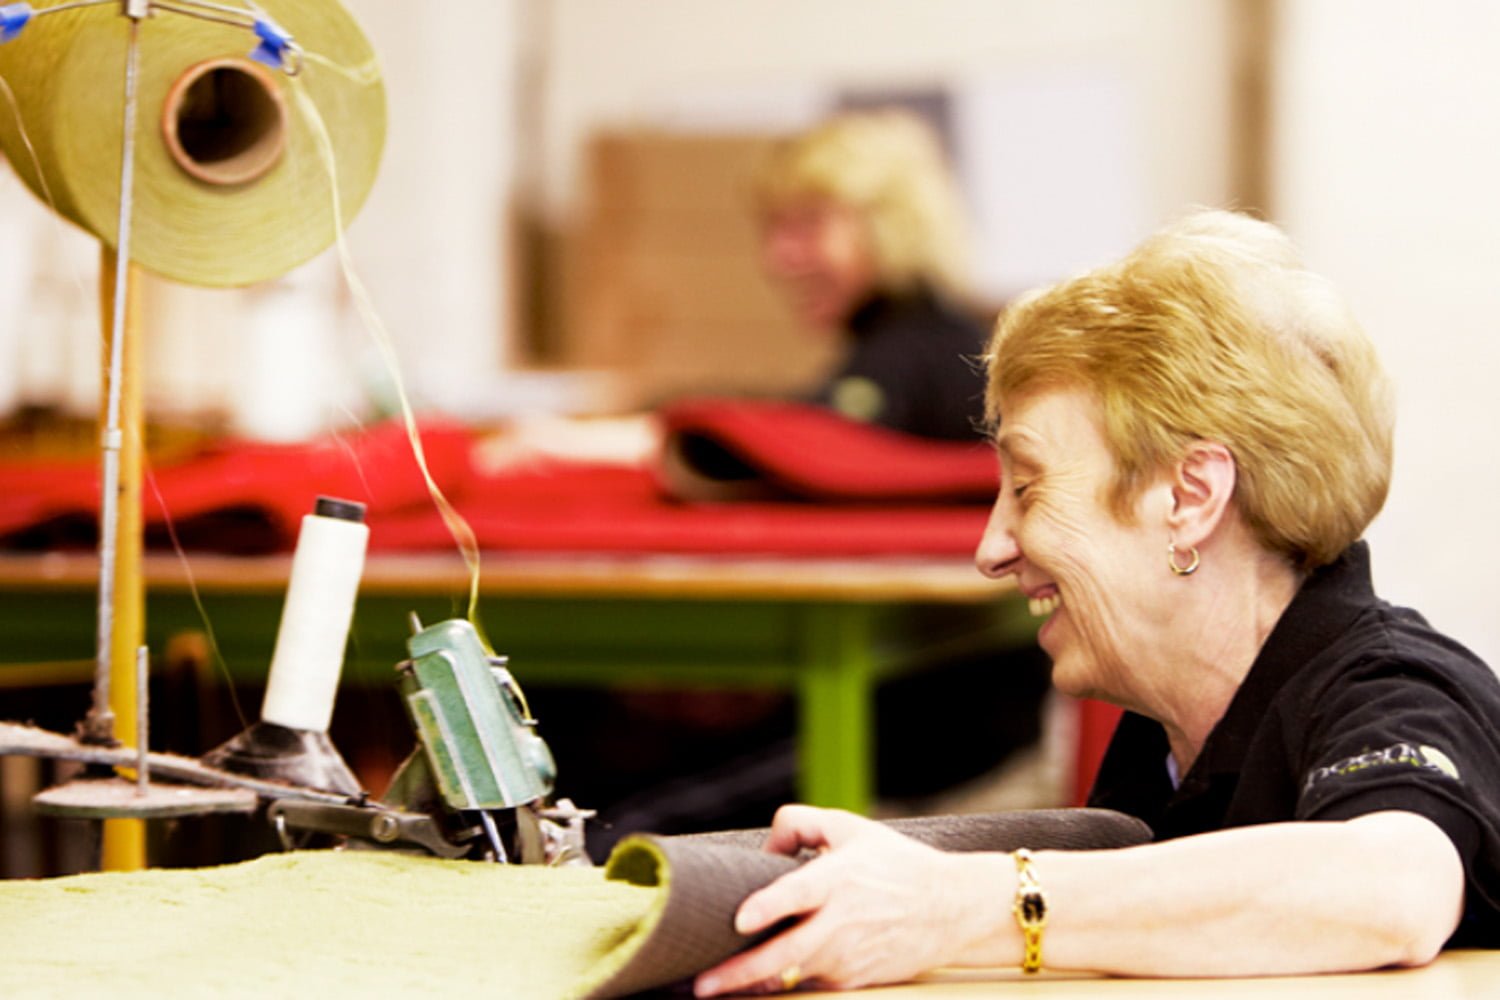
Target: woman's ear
1202,486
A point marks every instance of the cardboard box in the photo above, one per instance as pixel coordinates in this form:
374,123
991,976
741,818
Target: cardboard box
666,285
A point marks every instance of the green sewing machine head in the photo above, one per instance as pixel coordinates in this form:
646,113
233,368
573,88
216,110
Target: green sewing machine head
477,783
480,740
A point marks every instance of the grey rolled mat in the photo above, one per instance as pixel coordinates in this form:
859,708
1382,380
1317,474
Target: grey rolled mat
703,878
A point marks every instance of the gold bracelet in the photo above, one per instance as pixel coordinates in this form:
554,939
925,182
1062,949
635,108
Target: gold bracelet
1030,910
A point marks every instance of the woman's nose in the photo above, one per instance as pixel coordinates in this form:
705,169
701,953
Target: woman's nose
998,554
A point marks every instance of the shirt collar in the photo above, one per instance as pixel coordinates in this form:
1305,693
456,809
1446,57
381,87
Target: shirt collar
1323,609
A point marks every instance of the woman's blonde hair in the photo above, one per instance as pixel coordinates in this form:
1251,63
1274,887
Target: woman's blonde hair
888,166
1213,330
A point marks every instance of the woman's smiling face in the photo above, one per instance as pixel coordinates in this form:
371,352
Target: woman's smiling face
819,252
1099,582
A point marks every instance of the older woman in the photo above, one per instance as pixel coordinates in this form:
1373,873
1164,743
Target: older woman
1193,441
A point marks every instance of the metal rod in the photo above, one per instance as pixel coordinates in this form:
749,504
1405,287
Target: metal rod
240,17
245,18
249,10
142,721
59,8
493,832
101,721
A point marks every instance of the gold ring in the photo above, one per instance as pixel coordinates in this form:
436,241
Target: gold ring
790,977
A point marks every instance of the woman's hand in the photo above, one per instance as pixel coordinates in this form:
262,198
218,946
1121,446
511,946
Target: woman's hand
877,907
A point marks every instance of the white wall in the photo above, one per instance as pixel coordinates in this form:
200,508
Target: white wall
431,241
1386,159
1138,95
49,343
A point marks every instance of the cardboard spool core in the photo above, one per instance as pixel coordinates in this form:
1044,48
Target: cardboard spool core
224,121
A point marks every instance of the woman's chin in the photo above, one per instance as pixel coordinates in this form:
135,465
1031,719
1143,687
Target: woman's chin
1064,684
1070,674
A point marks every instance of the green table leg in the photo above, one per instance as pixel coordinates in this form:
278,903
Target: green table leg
835,692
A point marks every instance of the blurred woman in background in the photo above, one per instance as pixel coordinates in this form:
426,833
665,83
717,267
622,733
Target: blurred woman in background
862,229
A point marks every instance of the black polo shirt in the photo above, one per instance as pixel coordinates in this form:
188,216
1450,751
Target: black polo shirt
913,367
1353,706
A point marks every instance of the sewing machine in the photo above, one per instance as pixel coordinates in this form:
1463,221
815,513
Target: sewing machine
479,777
477,785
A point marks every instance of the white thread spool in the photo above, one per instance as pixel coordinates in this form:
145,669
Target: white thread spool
309,654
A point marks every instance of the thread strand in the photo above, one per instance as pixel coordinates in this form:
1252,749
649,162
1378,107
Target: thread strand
458,527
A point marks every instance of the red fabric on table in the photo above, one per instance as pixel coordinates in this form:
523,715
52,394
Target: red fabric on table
34,492
237,495
375,467
579,508
878,492
813,452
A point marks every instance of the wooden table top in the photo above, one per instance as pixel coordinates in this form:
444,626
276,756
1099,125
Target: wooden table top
873,579
1456,975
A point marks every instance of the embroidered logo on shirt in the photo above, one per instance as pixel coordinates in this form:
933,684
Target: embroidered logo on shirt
858,398
1396,755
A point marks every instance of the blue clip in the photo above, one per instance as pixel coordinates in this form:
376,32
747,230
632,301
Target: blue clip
13,18
276,47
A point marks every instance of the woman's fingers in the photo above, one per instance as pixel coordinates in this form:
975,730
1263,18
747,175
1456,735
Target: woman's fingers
858,910
796,828
778,964
794,894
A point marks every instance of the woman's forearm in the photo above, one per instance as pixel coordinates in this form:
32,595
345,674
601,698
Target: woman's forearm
1384,889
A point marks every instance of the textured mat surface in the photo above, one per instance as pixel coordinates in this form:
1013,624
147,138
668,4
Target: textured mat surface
336,924
316,924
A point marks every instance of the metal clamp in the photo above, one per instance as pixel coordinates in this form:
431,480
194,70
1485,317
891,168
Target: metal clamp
381,825
276,48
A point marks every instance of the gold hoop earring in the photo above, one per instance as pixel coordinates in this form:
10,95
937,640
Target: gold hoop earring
1180,570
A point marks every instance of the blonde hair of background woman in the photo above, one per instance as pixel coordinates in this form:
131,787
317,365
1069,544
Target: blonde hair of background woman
888,166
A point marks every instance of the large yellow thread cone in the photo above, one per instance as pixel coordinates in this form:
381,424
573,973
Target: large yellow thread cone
230,186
